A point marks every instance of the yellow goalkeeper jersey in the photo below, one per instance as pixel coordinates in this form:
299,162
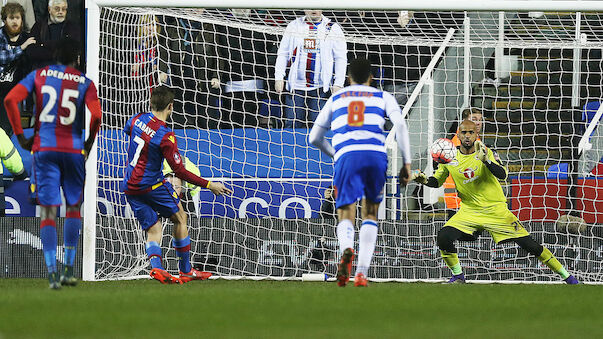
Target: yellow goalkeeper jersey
476,185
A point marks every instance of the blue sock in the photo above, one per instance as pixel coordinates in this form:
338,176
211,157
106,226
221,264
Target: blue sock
48,234
183,248
71,235
154,254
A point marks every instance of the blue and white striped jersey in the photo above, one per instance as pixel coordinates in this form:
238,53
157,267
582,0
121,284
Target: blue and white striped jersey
356,115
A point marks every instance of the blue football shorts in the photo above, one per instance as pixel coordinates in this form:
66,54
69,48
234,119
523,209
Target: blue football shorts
162,201
56,170
359,174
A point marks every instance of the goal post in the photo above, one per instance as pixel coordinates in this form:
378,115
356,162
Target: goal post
517,68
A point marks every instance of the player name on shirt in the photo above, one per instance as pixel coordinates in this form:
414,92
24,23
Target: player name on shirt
63,76
356,94
145,129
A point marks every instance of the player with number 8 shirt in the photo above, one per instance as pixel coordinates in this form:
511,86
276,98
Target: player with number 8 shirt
356,114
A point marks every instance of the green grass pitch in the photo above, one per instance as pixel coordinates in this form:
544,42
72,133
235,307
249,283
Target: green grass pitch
269,309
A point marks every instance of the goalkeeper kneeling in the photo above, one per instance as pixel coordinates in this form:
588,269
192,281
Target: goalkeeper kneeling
476,171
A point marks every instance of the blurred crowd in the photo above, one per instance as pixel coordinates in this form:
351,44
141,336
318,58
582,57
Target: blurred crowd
231,76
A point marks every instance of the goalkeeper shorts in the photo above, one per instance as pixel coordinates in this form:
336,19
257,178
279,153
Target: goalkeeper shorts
496,219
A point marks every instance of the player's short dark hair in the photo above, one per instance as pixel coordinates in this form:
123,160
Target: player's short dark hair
468,111
67,51
12,8
359,70
161,97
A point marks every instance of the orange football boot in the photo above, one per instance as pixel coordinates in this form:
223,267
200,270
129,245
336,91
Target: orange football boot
194,275
345,267
164,277
360,280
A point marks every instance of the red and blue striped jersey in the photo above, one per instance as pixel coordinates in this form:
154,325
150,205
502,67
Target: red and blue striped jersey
145,157
151,142
61,93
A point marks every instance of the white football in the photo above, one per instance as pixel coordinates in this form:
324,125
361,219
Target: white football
443,151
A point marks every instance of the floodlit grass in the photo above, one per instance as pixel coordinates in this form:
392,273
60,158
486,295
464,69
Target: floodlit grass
268,309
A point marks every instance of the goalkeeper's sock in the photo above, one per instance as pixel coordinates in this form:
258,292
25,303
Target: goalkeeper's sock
154,254
547,258
345,235
183,251
452,261
48,235
71,235
366,245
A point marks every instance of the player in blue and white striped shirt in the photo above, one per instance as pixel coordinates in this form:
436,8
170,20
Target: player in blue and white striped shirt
356,115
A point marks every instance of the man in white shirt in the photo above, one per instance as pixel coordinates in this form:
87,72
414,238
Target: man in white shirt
315,49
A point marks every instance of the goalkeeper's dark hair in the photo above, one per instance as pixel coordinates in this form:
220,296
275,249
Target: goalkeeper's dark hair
67,51
161,97
359,70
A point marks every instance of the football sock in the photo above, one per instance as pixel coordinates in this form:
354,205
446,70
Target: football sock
183,248
345,235
452,261
547,258
71,235
48,234
154,254
366,245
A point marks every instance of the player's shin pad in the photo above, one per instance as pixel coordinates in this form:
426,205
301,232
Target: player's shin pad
452,261
547,258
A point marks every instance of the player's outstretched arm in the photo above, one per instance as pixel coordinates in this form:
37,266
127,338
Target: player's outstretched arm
421,178
170,152
218,188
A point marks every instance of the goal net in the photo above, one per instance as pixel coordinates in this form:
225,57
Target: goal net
533,80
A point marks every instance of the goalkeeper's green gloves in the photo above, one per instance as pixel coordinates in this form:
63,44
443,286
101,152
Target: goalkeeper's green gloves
481,152
418,176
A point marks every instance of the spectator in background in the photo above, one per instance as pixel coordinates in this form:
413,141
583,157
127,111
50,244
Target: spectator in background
147,60
74,15
28,18
192,65
471,114
242,71
13,64
12,160
315,49
50,31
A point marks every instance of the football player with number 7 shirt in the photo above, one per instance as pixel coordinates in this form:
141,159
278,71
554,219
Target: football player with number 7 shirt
150,195
59,150
356,115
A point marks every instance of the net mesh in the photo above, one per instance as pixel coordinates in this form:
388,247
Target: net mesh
529,74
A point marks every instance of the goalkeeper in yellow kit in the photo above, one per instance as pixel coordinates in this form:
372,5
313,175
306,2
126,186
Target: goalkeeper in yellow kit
476,171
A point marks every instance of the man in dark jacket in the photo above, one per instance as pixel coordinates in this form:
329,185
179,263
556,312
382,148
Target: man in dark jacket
49,32
13,64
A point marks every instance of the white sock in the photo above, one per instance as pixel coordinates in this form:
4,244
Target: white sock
345,235
366,245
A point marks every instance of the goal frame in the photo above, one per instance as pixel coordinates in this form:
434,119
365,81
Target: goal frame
93,60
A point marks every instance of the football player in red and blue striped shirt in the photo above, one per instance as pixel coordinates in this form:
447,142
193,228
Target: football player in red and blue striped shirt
59,149
150,195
